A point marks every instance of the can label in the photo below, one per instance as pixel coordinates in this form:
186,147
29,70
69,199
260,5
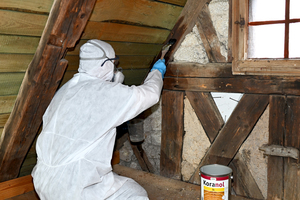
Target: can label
214,188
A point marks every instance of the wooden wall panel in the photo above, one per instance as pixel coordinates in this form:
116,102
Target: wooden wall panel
27,5
172,134
18,44
141,12
3,119
7,103
20,23
176,2
124,32
14,62
10,83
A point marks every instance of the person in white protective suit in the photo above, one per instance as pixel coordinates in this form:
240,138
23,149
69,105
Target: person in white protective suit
79,128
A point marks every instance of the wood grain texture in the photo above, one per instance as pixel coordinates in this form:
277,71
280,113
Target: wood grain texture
28,5
235,131
20,23
14,62
292,139
124,32
3,119
18,44
207,112
142,12
172,134
7,103
10,83
16,187
209,36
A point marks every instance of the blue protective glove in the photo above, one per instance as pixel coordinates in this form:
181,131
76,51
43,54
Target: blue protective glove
160,66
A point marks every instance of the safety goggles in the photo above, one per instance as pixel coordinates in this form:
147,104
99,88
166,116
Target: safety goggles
115,60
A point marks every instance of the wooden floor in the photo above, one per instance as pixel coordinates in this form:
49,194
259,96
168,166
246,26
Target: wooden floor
158,187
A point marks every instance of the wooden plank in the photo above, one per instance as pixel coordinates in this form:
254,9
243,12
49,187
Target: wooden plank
184,25
235,85
234,133
28,5
126,62
229,46
7,103
26,196
16,187
276,137
3,119
10,83
19,23
292,139
207,112
141,12
126,48
176,2
124,33
191,69
65,24
14,62
205,26
172,134
18,44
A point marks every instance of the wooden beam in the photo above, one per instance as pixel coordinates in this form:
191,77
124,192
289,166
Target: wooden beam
234,133
65,24
209,36
292,139
185,24
217,77
172,134
207,112
16,187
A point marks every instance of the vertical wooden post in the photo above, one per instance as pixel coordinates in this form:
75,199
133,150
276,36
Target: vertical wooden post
276,137
172,134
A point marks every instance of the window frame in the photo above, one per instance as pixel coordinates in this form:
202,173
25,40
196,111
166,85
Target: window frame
241,65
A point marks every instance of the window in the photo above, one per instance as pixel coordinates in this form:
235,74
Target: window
266,37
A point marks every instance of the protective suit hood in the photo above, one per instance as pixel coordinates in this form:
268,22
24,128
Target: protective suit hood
92,55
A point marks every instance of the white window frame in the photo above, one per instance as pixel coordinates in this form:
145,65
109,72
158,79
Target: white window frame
241,65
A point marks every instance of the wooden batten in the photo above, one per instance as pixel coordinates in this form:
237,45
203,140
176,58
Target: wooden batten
172,134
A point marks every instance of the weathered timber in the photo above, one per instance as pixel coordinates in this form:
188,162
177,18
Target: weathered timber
185,23
27,6
176,2
207,112
65,24
141,12
15,62
234,132
229,45
292,139
212,122
209,36
124,32
243,182
172,134
276,137
20,23
7,103
281,151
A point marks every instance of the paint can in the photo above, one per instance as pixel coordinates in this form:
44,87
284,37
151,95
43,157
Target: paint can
215,182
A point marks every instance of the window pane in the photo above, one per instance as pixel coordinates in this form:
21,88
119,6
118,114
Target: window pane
294,45
266,10
266,41
294,9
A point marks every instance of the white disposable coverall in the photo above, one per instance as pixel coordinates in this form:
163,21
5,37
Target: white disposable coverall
79,127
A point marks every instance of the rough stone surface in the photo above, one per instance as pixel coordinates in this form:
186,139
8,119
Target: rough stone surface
191,49
195,142
251,154
220,16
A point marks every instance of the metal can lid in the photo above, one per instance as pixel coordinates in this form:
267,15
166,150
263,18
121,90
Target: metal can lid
215,170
